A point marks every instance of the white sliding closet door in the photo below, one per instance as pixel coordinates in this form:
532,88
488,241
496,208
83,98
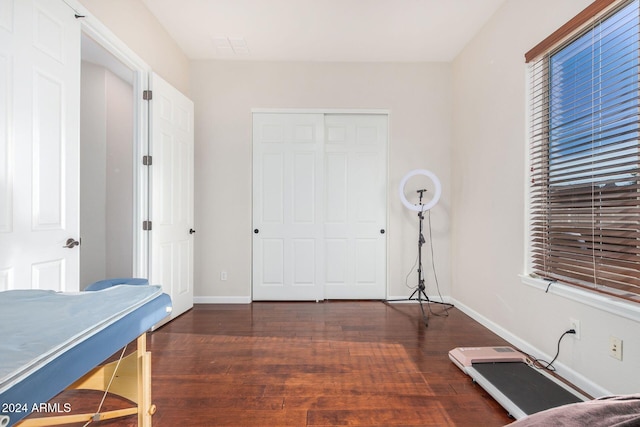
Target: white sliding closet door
355,211
39,145
319,212
287,191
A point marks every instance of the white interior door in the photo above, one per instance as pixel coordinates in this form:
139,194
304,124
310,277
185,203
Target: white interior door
39,145
355,211
287,189
319,192
172,139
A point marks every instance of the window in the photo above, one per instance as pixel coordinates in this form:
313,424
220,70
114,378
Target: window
585,153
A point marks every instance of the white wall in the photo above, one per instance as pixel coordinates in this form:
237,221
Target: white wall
418,97
488,205
106,176
120,182
131,22
93,137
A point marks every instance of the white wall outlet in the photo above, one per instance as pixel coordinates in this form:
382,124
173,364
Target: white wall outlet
223,275
575,325
615,347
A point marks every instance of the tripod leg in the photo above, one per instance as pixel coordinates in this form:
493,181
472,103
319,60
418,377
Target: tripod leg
425,318
426,298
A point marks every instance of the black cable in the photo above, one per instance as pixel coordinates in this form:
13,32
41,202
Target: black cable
406,279
538,363
435,276
418,262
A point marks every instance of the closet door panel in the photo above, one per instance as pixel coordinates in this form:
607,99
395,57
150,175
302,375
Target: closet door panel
355,153
287,200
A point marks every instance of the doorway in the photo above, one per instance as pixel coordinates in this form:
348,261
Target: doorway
146,216
107,171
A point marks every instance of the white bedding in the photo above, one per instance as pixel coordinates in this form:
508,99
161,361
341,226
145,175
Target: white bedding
36,325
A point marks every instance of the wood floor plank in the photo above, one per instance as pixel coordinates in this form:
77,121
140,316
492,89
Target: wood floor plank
334,363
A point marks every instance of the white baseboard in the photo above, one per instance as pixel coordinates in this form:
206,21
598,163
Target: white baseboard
563,370
247,300
221,300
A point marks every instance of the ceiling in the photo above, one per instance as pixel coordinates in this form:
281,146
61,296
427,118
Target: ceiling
323,30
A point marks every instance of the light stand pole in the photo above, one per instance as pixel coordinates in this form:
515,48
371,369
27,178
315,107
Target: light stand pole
420,290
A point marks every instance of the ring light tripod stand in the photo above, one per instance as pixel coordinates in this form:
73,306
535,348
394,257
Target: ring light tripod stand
420,290
420,208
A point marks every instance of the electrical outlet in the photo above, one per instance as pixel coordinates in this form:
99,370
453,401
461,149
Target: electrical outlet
223,275
615,347
575,325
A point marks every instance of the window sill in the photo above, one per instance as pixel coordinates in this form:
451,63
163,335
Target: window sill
619,307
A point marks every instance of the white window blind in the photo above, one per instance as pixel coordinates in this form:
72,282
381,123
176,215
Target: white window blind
585,156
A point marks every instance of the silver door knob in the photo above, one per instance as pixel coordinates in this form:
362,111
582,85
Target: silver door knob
71,243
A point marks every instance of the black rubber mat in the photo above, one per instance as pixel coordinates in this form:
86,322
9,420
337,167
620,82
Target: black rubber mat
527,388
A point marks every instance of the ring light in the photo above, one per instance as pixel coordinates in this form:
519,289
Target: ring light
434,199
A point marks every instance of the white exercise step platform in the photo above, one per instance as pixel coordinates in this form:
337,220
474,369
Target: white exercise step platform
508,377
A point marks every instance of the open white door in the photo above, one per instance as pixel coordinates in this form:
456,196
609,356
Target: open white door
39,145
171,148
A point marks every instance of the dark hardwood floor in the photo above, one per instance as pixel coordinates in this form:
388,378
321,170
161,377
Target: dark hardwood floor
339,363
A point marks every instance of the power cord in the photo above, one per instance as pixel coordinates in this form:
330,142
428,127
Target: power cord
446,305
551,282
538,363
406,279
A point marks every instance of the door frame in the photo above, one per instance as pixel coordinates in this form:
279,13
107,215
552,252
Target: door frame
327,111
91,27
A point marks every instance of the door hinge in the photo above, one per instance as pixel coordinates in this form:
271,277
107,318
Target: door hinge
147,160
146,225
147,95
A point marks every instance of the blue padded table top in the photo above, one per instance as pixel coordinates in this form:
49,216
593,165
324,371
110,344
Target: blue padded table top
34,324
50,339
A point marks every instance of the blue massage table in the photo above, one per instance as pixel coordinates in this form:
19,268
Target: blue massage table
52,341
